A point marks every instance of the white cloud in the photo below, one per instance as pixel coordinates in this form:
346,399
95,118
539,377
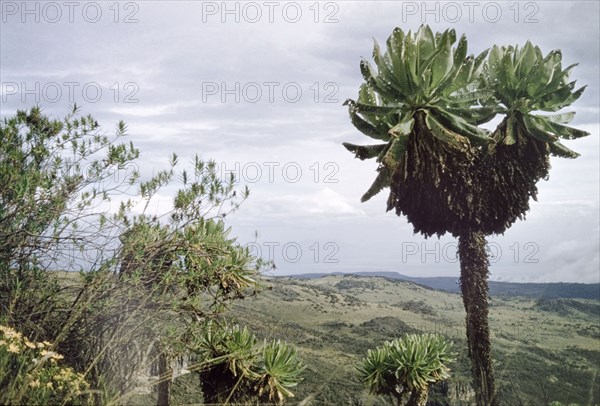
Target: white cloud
325,202
171,52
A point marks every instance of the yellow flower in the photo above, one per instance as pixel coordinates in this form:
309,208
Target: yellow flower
29,344
49,385
51,355
14,348
10,333
35,384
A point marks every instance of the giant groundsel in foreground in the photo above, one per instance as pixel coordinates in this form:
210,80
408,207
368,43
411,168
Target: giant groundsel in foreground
425,104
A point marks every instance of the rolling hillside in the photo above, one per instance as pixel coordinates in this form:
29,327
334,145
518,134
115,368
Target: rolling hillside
545,349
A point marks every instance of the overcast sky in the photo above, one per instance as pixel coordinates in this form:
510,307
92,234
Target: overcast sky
259,87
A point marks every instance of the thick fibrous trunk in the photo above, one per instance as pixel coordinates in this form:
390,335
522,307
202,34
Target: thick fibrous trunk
418,398
164,385
474,287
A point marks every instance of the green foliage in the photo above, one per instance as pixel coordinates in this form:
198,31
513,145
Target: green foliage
427,100
524,81
422,102
280,370
145,280
52,174
238,370
407,366
419,72
51,168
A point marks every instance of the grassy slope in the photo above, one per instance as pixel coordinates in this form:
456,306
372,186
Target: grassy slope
545,349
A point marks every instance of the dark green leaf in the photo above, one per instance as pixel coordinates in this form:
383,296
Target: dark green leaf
381,181
367,127
446,135
459,125
403,128
558,149
537,131
558,130
363,152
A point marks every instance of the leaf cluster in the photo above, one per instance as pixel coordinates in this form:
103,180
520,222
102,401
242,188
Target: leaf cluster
426,102
407,366
237,369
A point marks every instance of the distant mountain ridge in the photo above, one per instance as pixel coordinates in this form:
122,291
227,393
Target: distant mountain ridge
558,290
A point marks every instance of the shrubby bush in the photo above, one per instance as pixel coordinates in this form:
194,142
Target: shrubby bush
137,284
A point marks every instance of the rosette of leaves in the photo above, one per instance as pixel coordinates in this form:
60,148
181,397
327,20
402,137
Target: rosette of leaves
228,354
406,367
421,104
280,370
239,370
524,81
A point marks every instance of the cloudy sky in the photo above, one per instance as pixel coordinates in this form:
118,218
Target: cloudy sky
259,87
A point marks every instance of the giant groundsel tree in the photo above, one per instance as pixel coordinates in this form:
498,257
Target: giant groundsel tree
420,104
425,104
